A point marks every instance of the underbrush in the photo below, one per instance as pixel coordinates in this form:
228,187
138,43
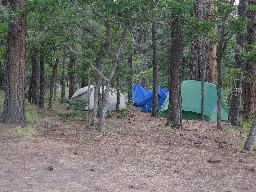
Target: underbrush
76,110
122,113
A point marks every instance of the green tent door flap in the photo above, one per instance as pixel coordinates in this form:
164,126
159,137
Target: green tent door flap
191,102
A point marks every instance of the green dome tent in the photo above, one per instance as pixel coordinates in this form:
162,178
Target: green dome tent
191,102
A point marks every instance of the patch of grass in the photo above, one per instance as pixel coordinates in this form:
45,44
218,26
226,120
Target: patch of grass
26,131
66,126
168,126
108,129
110,114
246,125
123,112
229,128
245,129
31,115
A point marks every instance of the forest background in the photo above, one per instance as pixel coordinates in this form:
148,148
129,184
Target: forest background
74,43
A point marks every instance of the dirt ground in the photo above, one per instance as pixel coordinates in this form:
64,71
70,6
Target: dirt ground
137,153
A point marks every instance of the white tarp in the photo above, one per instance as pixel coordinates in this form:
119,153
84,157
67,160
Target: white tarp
83,93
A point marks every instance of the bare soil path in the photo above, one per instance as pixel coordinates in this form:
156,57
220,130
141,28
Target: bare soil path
138,153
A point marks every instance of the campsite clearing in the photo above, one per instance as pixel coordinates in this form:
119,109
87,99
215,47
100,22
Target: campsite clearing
137,153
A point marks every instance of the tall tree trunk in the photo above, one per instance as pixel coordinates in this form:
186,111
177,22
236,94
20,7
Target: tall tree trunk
29,89
14,103
235,103
202,82
118,94
42,81
197,47
220,51
221,48
250,68
96,102
72,75
107,80
212,49
35,79
197,60
1,76
219,87
63,76
89,96
52,80
130,80
155,71
73,59
55,86
142,39
175,113
104,107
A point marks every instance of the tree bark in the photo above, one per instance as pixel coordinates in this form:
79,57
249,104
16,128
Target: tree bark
250,69
211,49
72,75
202,82
155,71
55,86
175,113
143,51
118,94
197,60
2,73
219,87
14,103
52,81
103,108
73,58
118,99
197,45
130,80
251,136
63,76
42,81
96,102
35,79
236,96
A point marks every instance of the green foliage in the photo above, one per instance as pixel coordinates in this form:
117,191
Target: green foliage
232,76
147,74
246,125
31,112
229,128
76,104
77,107
110,114
123,112
72,115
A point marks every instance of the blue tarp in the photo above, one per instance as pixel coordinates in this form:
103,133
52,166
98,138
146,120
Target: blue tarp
139,94
143,98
